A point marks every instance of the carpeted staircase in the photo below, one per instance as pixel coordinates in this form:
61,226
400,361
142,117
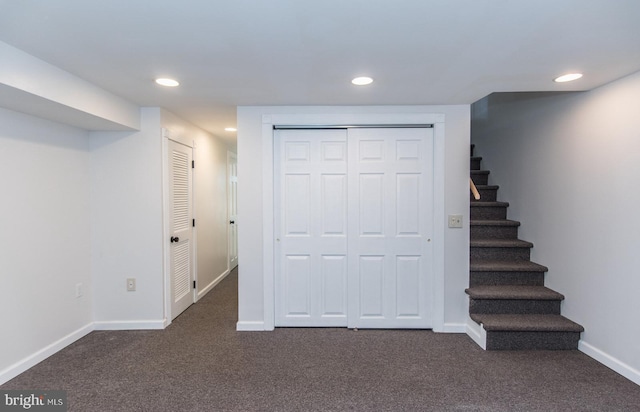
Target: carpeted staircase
506,290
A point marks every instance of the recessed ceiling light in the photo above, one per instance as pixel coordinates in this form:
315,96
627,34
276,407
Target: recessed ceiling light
167,82
230,129
567,77
362,81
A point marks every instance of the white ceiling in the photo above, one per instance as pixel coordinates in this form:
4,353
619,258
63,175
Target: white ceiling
227,53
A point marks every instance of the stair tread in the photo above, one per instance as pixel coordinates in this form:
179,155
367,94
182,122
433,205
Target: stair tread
500,222
487,187
480,172
513,292
526,323
500,243
506,266
489,204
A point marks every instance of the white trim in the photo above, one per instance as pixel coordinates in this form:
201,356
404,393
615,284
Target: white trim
168,134
166,264
211,285
268,121
268,247
439,222
130,324
194,229
22,365
477,333
231,155
250,326
609,361
454,328
351,119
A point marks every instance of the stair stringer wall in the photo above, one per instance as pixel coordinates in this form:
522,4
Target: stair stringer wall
578,151
477,333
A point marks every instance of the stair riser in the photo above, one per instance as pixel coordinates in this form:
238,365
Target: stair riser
493,232
500,253
480,178
506,278
532,340
514,307
475,163
488,212
486,195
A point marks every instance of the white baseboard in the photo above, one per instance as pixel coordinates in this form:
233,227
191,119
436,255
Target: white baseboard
211,285
32,360
246,326
609,361
477,333
454,328
130,324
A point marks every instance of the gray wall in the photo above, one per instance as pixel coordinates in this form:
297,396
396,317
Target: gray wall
126,225
569,165
44,239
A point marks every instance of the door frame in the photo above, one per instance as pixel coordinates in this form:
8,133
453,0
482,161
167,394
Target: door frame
356,119
234,156
166,233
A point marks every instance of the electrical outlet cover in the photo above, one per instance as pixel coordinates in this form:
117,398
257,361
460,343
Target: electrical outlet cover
131,285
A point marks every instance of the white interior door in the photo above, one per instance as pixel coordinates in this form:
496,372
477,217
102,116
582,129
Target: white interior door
390,228
311,228
232,167
180,226
353,225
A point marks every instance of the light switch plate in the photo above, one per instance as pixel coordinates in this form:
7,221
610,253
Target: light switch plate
455,221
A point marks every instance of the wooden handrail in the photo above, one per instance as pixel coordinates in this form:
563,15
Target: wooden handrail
474,190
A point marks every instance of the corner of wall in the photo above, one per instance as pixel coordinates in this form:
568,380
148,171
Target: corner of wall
33,86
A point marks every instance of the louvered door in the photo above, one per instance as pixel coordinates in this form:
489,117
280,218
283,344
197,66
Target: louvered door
180,226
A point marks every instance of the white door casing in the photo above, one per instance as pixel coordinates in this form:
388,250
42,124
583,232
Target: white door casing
181,250
311,228
353,224
232,193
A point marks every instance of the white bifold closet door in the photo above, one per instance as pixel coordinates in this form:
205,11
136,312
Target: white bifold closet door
311,228
390,227
354,217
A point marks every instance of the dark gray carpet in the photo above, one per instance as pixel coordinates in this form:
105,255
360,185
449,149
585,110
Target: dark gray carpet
200,363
